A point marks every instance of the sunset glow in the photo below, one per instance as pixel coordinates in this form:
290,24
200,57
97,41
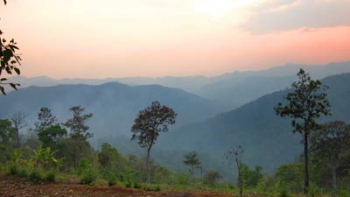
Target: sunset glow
116,38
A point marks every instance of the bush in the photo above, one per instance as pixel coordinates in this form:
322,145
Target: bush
128,184
343,193
111,180
50,176
283,193
13,169
154,188
137,186
315,191
35,176
23,172
88,177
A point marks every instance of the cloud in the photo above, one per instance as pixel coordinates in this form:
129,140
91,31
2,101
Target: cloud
274,16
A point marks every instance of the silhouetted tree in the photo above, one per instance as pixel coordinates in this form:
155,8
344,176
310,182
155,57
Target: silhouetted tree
147,126
236,154
305,103
329,143
45,119
192,160
9,61
77,126
18,120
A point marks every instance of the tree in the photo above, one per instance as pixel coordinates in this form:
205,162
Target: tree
192,160
236,154
45,119
77,126
76,146
9,61
329,143
18,120
51,136
7,132
7,137
148,125
305,103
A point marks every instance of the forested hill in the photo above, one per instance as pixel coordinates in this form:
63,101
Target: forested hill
114,105
267,139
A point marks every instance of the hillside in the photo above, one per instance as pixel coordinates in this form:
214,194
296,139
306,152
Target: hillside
114,105
266,138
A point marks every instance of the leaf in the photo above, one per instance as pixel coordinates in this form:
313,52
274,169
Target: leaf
2,89
17,70
13,86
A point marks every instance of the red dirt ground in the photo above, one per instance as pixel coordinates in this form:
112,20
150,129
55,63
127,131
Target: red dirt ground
16,187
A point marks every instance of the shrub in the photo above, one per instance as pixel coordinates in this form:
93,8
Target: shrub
343,193
50,176
23,172
111,180
137,185
88,177
128,184
283,193
35,176
13,169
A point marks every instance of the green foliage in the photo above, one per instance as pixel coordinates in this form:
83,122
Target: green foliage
23,172
212,177
51,136
72,150
112,180
7,139
283,193
45,119
36,176
88,176
343,193
50,176
192,160
43,158
181,178
290,176
77,125
13,169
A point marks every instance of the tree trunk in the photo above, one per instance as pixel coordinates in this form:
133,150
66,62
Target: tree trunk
148,173
18,141
306,158
334,178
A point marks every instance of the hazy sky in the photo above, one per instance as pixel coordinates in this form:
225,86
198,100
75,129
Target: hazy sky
121,38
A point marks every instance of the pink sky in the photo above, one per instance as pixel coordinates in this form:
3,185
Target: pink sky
116,38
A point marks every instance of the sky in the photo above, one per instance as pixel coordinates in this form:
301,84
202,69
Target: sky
155,38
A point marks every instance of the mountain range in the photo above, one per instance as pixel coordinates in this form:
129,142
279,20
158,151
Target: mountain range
214,113
229,90
114,105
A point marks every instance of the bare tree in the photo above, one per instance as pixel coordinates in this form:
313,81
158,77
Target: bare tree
236,154
19,122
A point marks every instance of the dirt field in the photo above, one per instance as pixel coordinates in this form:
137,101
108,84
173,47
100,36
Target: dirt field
10,187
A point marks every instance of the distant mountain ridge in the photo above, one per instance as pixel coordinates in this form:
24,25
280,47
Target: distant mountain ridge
231,90
113,104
